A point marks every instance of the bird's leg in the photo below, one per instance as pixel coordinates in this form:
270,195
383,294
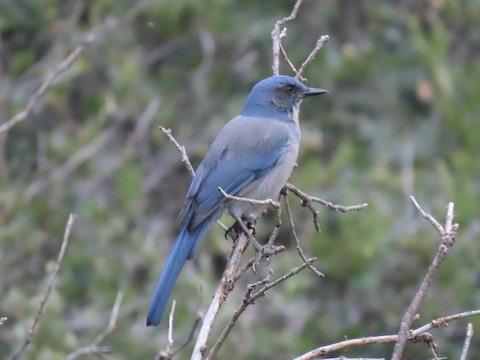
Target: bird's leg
248,230
262,251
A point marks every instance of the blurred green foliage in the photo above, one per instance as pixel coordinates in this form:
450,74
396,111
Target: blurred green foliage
401,118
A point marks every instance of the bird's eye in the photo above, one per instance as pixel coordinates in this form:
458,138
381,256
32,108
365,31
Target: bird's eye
288,88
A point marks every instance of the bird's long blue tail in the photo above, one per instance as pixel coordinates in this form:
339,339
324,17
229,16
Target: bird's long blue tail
184,249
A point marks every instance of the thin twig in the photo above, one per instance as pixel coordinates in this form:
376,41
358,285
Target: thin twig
427,216
51,284
448,240
297,241
94,347
180,148
307,201
250,298
318,46
443,321
277,36
190,335
49,80
289,62
466,344
273,203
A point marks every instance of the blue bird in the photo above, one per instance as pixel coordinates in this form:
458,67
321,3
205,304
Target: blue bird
251,157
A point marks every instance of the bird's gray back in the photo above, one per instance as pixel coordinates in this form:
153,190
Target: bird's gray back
251,157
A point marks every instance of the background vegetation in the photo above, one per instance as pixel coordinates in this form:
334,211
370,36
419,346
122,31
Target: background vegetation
401,118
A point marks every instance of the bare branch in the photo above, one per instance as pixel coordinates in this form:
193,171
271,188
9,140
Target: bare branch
170,327
307,201
466,344
51,283
297,241
227,284
109,25
94,347
427,216
250,298
448,240
318,46
278,33
57,71
180,148
3,319
289,62
443,321
190,335
274,204
414,334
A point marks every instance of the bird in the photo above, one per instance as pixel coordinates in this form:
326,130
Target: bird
251,157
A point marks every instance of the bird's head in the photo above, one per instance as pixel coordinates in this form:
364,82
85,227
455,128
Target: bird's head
278,97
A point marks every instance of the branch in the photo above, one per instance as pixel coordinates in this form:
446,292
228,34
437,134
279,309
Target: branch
250,299
448,240
278,33
180,148
274,204
108,25
51,283
468,339
94,347
169,353
227,284
318,46
35,99
297,241
190,335
307,201
414,335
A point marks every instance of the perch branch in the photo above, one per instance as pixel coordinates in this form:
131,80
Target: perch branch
250,298
227,284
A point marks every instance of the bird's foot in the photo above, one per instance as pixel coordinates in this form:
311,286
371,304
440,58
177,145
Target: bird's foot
237,228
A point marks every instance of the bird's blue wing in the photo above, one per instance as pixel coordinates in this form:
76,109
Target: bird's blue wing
245,150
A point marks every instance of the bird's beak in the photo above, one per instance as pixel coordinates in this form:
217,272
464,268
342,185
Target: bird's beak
314,91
